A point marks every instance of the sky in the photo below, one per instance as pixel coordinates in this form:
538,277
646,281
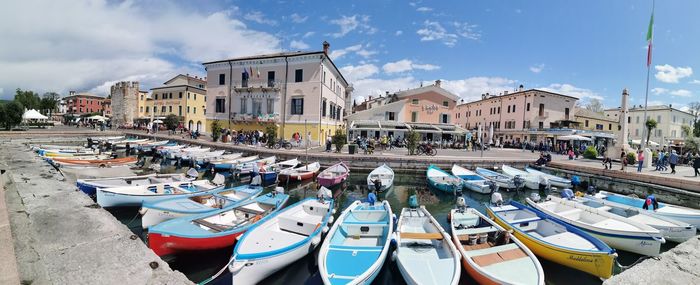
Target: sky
586,49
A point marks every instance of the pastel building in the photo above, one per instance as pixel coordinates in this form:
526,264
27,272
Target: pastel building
594,121
297,91
428,110
669,123
183,96
83,103
523,115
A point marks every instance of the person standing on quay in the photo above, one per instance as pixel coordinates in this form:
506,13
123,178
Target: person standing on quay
623,159
640,159
673,160
696,163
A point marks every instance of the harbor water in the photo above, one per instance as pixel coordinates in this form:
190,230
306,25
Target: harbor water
199,266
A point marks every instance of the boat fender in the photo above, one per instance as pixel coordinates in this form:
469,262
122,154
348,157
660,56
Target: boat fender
334,211
236,266
330,219
393,256
325,230
143,211
315,241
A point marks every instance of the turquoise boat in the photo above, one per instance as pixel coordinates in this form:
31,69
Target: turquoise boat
357,244
443,181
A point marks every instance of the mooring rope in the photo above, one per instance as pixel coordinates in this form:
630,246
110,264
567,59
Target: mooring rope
623,267
221,271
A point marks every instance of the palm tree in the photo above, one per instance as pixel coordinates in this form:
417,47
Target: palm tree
651,125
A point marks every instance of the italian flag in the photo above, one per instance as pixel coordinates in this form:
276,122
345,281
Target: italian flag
650,37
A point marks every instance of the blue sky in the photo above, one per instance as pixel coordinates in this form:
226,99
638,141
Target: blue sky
588,49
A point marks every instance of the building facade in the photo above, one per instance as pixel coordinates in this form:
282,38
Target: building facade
428,110
125,97
669,123
593,121
107,107
523,115
300,92
183,96
82,103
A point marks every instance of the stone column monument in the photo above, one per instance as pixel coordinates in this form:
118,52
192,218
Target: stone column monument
622,141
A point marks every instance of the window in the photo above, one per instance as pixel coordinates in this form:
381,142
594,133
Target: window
141,97
391,116
81,109
541,112
222,79
162,109
527,107
220,106
338,113
148,109
585,123
637,119
141,109
188,96
629,120
414,117
324,77
674,118
599,126
244,79
244,105
270,106
195,96
609,127
170,109
179,111
499,110
566,114
297,106
299,75
659,133
155,96
445,103
636,132
444,118
658,119
323,108
513,108
257,106
171,95
414,101
541,124
180,95
673,133
194,110
270,79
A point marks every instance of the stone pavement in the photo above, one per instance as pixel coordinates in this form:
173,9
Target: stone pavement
683,178
8,264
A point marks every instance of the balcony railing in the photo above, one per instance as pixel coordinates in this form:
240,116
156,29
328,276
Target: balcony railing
257,84
255,117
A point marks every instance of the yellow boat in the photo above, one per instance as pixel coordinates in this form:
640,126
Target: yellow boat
554,240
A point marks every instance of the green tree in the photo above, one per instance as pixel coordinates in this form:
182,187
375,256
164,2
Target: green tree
28,99
590,153
339,139
11,114
215,130
412,139
271,134
651,125
694,109
48,102
171,122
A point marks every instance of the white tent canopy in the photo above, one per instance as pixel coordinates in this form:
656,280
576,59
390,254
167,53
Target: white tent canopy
33,115
574,138
639,142
97,117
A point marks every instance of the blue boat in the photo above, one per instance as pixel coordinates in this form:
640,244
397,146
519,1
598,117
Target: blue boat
443,181
213,230
270,174
669,211
156,212
357,244
228,165
472,181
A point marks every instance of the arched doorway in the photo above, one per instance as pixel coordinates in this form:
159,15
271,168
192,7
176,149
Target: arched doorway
190,124
199,126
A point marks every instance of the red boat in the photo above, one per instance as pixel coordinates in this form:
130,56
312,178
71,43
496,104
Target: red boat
300,173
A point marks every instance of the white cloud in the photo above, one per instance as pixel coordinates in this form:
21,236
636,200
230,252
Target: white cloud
681,93
659,91
375,86
433,31
358,49
348,24
669,74
259,17
471,88
684,109
114,41
424,9
296,18
354,73
570,90
308,34
466,30
366,53
695,81
537,68
406,65
398,33
298,45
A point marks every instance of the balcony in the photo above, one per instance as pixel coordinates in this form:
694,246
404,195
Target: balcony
257,85
255,118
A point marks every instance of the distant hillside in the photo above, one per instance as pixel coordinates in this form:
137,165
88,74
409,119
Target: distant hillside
4,101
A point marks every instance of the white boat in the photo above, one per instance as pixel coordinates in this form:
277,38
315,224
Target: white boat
247,167
385,174
672,230
424,253
617,232
280,239
136,195
678,213
230,164
299,173
201,156
89,186
472,181
502,181
185,154
357,244
553,179
531,181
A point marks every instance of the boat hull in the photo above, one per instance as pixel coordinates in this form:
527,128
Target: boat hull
597,264
163,244
252,271
300,177
152,217
110,199
329,182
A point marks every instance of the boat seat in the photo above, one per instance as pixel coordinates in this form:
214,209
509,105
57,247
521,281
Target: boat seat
569,212
604,208
297,226
473,231
213,226
498,257
408,235
525,220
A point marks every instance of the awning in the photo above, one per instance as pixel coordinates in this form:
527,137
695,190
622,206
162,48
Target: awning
33,115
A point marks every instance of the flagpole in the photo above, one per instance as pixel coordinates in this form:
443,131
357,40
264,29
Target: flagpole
646,95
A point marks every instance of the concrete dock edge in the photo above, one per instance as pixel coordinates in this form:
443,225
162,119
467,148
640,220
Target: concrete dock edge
8,261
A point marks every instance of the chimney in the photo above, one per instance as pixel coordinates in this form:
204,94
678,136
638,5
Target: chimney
326,45
521,88
437,82
370,98
71,93
505,92
387,93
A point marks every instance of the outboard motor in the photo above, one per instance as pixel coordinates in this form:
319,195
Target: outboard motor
492,185
219,179
322,194
591,190
279,190
535,197
413,201
519,182
567,194
192,173
496,199
461,204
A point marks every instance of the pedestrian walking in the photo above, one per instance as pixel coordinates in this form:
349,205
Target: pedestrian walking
673,160
623,159
640,159
696,163
660,161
